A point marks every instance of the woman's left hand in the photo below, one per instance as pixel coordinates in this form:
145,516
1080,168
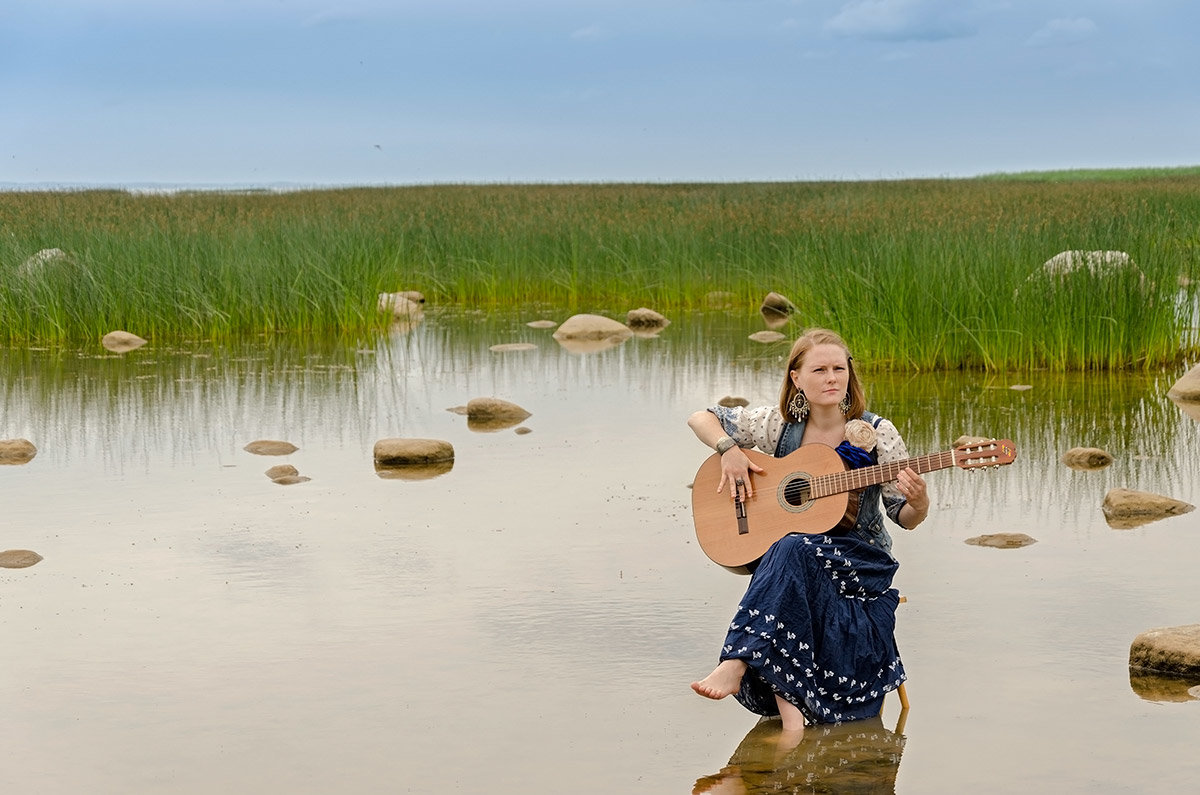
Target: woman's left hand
912,488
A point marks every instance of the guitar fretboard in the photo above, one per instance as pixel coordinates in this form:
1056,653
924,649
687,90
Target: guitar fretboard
854,479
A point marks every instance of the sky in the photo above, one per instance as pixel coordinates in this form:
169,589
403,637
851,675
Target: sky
399,92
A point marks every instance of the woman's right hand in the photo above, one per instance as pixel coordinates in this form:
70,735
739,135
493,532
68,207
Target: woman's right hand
736,468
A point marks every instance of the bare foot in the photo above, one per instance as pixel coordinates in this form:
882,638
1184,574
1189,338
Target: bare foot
724,680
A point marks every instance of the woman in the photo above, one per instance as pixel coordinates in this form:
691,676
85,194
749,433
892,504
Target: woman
802,644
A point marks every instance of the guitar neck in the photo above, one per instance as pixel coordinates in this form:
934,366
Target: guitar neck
854,479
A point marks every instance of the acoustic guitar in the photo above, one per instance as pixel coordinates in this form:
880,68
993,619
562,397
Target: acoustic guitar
808,491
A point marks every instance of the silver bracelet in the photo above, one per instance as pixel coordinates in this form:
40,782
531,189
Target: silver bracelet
724,445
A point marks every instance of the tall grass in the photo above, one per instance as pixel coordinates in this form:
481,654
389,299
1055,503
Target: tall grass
924,273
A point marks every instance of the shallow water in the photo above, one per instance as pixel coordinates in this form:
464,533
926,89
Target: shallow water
530,620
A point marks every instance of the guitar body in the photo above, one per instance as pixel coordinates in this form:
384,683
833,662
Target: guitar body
780,505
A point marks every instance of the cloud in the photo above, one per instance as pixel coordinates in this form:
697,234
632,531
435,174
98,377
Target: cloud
901,20
1063,31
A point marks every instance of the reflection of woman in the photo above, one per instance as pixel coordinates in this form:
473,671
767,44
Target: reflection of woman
860,757
813,638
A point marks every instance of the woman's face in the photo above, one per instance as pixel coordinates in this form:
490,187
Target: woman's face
823,375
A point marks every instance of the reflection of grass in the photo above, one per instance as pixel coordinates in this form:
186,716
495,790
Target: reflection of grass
921,274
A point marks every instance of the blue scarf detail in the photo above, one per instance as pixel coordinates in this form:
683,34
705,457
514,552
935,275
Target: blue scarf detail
855,457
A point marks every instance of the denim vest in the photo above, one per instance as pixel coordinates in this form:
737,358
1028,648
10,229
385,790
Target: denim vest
868,526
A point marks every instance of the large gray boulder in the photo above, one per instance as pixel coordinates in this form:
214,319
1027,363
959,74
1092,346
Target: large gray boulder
1174,651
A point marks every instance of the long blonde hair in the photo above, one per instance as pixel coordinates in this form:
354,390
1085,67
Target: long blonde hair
800,348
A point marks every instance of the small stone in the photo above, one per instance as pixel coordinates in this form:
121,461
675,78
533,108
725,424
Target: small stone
507,347
729,401
592,327
541,324
767,336
489,408
777,304
1187,388
1087,458
121,341
1002,540
523,430
270,447
1021,387
16,451
18,558
645,318
290,480
282,471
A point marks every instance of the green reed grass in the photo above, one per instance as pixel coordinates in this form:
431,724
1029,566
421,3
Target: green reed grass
923,274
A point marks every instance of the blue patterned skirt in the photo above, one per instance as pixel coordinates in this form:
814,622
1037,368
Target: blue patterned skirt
817,627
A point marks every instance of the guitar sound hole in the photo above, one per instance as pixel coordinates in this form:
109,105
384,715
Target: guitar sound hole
796,493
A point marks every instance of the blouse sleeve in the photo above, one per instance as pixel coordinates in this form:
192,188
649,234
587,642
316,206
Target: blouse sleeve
890,447
752,427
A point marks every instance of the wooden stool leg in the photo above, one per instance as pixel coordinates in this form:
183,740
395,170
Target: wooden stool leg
900,691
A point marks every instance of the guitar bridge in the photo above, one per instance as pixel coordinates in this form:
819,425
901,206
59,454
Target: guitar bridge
739,511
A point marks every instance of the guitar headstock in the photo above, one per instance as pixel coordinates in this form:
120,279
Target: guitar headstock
990,453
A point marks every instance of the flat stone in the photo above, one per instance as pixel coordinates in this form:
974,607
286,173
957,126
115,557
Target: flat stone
1174,651
18,558
290,480
1002,540
16,451
270,447
507,347
282,471
729,401
541,324
768,336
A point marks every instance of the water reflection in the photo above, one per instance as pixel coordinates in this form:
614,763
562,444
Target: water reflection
856,757
543,553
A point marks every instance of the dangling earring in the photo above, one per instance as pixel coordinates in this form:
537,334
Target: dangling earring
844,405
798,406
